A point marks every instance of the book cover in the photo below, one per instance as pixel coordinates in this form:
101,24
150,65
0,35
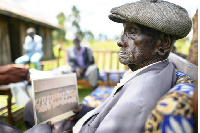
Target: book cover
54,98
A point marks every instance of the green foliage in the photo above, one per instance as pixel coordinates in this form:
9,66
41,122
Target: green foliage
61,19
183,45
59,36
89,36
75,18
102,37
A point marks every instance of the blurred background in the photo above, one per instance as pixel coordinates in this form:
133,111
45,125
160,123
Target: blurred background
65,19
58,21
90,18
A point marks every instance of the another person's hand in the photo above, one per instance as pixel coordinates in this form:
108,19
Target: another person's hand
76,111
79,71
51,125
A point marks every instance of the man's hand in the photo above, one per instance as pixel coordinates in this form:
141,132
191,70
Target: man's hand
76,111
79,71
51,125
68,131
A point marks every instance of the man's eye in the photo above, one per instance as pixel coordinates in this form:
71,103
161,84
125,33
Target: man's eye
133,31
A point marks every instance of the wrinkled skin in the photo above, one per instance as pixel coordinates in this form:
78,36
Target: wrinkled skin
137,49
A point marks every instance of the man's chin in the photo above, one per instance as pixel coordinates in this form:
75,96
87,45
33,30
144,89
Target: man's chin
124,62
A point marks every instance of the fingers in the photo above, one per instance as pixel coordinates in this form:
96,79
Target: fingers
76,111
72,118
51,125
81,70
68,131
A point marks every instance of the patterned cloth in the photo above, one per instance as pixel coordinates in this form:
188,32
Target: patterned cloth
173,112
98,96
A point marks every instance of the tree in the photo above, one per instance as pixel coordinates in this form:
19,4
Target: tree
89,36
182,46
59,36
193,52
75,19
100,37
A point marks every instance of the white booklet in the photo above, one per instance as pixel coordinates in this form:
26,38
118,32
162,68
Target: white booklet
54,98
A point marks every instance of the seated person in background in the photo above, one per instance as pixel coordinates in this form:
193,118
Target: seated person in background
151,28
81,61
33,49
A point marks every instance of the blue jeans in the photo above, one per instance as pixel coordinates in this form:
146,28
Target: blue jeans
33,58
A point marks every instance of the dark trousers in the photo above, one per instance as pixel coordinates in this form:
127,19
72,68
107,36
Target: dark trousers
58,127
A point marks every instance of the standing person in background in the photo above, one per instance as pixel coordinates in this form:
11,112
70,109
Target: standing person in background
33,49
81,61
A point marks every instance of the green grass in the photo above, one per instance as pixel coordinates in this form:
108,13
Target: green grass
83,92
3,102
20,125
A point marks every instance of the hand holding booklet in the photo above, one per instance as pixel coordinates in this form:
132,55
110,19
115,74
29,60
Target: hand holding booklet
54,98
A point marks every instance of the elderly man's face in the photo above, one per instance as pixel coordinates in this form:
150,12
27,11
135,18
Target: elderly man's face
136,46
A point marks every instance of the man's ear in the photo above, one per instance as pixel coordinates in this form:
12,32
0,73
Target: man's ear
164,44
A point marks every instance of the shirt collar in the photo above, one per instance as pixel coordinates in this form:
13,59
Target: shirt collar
129,74
81,51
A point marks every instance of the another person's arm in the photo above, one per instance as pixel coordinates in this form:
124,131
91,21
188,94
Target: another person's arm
71,59
90,57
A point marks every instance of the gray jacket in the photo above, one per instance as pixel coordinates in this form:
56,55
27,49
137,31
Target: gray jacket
126,110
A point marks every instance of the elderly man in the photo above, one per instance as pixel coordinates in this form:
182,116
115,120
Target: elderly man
33,49
150,30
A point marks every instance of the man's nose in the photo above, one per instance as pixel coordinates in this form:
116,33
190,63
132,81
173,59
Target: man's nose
120,41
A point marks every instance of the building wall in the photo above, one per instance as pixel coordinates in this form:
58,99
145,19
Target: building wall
12,37
46,34
5,54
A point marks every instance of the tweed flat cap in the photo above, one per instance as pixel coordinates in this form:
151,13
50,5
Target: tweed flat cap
157,14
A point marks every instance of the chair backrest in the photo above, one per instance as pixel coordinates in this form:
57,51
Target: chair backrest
107,60
184,66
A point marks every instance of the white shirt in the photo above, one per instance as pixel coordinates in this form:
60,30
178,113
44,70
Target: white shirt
33,45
